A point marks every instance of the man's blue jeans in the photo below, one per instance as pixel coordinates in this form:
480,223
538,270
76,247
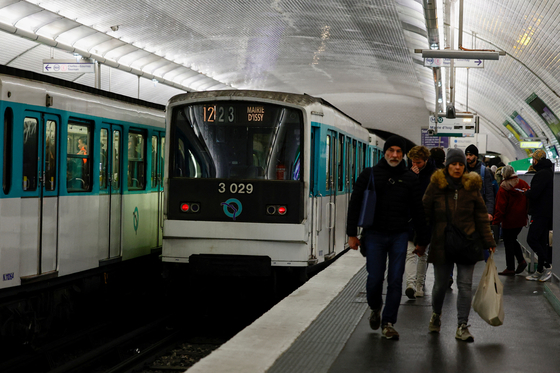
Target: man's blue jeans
378,246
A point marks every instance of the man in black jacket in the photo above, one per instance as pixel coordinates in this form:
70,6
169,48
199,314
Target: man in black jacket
487,191
540,198
398,199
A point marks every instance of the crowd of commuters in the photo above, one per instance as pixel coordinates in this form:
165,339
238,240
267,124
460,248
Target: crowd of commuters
415,204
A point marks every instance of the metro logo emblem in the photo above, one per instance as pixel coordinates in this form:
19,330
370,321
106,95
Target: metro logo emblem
8,276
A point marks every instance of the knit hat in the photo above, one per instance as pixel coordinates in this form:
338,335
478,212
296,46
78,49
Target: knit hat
472,150
507,172
539,154
455,155
395,140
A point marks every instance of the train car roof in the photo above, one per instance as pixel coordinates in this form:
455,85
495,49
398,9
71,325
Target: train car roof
24,74
290,98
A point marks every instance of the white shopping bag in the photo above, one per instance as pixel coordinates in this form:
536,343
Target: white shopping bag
488,301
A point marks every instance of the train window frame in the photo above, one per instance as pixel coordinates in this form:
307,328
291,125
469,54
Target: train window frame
30,150
340,164
103,159
7,150
328,159
264,147
139,163
50,170
79,181
154,161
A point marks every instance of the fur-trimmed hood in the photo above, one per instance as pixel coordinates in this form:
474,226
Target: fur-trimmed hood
470,180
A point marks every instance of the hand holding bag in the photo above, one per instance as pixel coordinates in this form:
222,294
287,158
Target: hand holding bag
488,300
369,200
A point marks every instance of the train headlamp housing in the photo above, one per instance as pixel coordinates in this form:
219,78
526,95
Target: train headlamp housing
276,210
190,207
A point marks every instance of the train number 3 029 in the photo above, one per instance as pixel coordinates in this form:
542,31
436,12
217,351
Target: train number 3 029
236,188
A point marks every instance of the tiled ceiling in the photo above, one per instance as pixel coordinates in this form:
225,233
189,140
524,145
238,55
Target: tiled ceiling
358,55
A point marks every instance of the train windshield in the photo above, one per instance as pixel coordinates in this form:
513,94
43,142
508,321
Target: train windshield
236,140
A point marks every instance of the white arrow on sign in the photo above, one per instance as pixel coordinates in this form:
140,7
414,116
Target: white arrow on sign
446,62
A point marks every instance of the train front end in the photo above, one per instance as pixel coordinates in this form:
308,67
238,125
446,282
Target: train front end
235,195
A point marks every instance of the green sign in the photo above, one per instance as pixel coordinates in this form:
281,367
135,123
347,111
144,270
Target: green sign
521,165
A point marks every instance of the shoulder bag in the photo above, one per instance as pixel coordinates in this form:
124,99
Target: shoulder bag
369,200
460,248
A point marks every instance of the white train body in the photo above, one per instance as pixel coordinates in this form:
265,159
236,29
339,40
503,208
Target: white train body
66,209
252,153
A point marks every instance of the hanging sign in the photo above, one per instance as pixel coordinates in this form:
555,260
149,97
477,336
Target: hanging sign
67,66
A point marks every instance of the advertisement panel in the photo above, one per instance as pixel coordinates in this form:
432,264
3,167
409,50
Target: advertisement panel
522,123
545,113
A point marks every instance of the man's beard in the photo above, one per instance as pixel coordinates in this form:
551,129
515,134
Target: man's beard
393,162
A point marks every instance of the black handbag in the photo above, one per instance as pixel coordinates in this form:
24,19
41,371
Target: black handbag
459,247
369,200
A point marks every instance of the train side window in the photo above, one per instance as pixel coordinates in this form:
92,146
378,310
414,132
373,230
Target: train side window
30,154
340,161
353,162
50,156
154,161
162,161
116,160
136,161
328,152
78,158
104,135
7,166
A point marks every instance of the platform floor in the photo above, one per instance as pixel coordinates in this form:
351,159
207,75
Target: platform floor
324,328
528,341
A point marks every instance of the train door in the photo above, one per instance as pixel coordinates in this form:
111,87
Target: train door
40,187
332,186
110,185
158,148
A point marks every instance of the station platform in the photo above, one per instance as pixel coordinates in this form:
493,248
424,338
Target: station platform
323,327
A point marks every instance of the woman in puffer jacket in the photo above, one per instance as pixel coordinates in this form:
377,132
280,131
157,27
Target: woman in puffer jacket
511,211
468,213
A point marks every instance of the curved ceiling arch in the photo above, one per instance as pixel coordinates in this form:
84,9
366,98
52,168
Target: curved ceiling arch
357,54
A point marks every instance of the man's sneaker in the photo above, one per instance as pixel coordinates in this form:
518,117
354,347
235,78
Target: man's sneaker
419,291
410,292
546,275
375,319
435,323
463,333
534,277
389,332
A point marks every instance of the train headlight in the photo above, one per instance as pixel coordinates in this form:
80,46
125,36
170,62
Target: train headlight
276,210
190,207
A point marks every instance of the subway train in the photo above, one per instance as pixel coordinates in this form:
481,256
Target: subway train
81,187
258,182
